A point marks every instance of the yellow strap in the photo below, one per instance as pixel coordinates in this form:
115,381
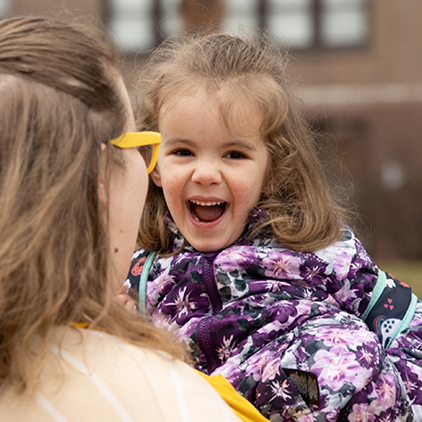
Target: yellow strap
80,324
242,407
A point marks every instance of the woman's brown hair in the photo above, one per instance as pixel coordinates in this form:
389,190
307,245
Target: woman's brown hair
303,213
59,104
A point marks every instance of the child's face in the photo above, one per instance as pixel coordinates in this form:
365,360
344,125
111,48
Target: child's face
211,176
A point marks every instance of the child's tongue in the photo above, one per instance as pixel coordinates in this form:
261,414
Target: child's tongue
207,214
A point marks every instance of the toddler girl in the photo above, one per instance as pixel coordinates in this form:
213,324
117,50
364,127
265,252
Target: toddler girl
244,256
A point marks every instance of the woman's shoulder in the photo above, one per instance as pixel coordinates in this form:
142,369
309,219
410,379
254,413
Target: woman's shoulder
105,378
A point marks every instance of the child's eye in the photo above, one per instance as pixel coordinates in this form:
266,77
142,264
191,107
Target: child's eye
234,155
182,153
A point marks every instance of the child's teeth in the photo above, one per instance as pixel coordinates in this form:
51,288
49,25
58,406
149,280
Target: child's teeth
207,204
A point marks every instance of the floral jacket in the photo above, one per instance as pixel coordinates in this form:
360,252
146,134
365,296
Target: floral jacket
303,336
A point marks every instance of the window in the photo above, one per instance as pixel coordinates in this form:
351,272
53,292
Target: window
343,23
318,23
291,22
131,23
301,24
142,24
239,15
171,22
298,24
5,8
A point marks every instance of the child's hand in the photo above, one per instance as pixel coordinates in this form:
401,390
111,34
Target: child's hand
125,300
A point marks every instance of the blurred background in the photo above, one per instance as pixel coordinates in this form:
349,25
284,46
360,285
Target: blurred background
357,67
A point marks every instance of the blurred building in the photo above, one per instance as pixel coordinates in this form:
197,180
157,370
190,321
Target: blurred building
358,67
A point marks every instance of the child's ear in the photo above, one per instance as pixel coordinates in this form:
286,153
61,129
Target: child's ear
102,178
156,178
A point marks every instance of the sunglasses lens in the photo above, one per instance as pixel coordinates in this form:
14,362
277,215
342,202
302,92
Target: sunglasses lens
146,152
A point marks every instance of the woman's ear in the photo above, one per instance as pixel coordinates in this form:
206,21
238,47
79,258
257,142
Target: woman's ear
156,178
102,178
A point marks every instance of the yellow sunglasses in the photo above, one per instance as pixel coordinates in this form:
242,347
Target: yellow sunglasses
148,144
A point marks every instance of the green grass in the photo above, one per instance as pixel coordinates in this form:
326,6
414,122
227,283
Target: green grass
408,271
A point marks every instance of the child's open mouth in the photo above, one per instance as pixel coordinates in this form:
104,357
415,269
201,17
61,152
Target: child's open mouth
207,211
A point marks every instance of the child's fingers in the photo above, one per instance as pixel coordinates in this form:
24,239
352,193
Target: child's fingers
127,302
123,289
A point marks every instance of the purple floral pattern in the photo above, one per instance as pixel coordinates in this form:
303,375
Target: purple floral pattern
270,308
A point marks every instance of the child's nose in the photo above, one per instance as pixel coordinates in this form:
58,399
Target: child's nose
207,173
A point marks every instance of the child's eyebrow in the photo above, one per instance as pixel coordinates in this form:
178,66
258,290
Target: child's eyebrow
236,143
179,140
242,144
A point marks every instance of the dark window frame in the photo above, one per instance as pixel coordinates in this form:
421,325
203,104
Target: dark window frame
262,10
156,15
317,43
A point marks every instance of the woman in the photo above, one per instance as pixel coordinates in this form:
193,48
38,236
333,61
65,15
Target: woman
72,188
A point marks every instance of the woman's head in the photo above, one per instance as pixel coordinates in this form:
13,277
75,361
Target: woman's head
65,191
240,73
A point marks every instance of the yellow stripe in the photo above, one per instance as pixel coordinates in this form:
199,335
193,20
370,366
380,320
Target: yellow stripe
242,407
80,324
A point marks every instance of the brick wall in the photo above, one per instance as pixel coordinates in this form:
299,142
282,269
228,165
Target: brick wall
378,148
392,54
369,101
